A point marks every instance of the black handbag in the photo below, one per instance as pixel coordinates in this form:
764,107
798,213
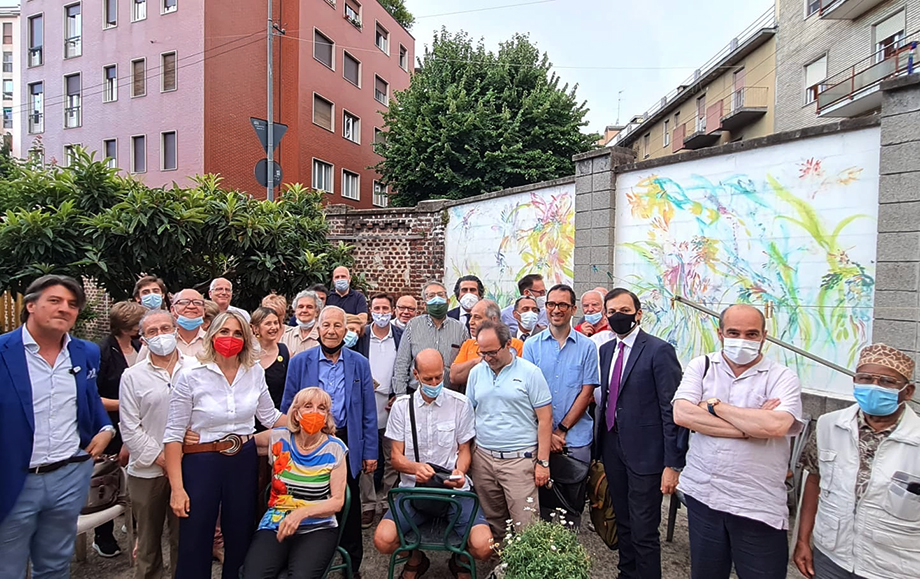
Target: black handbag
429,507
569,484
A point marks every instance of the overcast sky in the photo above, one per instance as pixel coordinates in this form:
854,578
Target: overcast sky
644,48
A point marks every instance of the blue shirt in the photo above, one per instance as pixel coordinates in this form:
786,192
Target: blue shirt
353,302
505,404
332,380
566,370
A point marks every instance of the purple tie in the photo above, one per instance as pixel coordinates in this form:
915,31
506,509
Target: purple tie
615,387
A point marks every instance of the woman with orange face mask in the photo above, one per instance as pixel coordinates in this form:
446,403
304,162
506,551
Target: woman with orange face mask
299,532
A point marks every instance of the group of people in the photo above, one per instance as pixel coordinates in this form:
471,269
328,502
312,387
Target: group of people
345,397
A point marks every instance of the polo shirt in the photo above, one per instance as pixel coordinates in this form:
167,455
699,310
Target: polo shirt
353,302
470,350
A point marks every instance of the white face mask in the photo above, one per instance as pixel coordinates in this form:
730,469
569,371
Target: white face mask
541,301
529,320
162,345
468,301
740,351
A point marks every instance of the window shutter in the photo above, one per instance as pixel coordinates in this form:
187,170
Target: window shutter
816,72
351,69
73,85
322,112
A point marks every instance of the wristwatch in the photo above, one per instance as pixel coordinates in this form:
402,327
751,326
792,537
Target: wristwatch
711,404
543,463
563,428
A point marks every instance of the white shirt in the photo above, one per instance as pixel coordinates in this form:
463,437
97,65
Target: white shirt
381,355
204,402
443,425
604,336
54,404
143,409
628,343
239,311
741,476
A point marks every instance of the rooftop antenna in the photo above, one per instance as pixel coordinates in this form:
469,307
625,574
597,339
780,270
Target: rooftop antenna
619,98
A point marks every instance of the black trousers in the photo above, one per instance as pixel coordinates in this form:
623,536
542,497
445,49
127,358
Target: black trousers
305,556
636,501
352,541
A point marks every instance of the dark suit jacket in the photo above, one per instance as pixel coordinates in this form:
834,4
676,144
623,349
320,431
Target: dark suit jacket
645,422
455,314
361,409
363,346
17,418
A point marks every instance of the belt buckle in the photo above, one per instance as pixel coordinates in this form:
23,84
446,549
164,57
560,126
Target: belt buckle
236,444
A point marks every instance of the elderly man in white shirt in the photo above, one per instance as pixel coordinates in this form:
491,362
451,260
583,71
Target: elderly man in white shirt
143,410
741,407
444,429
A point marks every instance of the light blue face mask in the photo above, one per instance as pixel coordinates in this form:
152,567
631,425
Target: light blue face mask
351,338
152,301
876,400
341,285
190,323
432,391
594,318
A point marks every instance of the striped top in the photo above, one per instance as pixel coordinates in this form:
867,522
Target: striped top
300,480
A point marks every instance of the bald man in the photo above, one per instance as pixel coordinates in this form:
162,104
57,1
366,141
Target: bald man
592,306
469,357
352,301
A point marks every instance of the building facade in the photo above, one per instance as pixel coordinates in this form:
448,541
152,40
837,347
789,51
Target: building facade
166,88
9,21
832,56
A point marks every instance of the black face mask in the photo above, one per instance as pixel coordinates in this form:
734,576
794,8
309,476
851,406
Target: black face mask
333,350
621,323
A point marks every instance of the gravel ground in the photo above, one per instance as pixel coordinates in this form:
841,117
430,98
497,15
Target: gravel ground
675,558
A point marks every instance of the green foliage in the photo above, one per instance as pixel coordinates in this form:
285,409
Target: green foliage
544,551
474,121
399,12
85,220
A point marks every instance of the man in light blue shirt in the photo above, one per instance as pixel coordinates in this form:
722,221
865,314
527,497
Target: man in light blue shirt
513,426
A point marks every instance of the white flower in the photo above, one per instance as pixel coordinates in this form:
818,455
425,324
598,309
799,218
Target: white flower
530,499
553,547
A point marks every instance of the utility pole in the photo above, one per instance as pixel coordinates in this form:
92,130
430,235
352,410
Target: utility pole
270,189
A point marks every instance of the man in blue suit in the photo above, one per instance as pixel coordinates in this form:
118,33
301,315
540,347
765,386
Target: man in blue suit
346,376
642,449
52,423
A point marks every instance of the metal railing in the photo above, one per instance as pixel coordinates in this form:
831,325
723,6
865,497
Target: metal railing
745,97
868,72
73,46
35,56
72,117
36,122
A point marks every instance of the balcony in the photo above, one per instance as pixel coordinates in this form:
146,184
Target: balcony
704,131
846,9
35,56
743,107
73,47
855,91
72,117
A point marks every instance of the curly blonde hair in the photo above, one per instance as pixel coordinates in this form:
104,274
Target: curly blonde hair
317,396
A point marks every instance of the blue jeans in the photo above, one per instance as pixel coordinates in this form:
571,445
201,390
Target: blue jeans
42,525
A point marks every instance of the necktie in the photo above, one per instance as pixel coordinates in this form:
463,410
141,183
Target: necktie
615,387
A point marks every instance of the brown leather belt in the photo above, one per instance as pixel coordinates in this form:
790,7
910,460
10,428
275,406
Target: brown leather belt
228,445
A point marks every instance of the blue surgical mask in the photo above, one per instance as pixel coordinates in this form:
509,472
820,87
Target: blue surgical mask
152,301
876,400
593,318
381,320
341,285
351,338
190,323
432,391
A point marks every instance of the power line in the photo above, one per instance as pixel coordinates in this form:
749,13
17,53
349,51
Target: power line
485,9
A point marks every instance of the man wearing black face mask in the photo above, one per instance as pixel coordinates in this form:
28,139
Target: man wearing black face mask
642,449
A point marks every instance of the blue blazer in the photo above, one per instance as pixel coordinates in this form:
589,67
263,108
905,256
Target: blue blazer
361,409
17,418
645,421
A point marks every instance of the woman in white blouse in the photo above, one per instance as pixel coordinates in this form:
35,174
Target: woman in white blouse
217,399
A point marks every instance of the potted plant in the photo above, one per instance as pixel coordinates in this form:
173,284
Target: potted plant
543,550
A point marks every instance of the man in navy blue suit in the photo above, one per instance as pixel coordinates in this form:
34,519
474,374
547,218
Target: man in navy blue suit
346,376
52,423
642,449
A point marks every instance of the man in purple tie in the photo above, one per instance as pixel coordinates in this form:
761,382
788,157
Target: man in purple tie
642,449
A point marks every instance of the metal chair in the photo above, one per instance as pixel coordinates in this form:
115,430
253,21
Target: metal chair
435,536
86,523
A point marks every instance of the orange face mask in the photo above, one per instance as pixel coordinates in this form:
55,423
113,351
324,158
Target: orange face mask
312,422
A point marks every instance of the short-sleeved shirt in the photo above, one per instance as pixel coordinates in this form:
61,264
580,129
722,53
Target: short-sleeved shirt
741,476
441,427
506,403
566,370
470,350
352,302
300,479
296,342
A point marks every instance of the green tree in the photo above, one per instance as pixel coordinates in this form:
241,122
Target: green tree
399,12
474,121
86,221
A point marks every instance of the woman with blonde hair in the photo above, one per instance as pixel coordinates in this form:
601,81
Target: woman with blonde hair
299,531
218,399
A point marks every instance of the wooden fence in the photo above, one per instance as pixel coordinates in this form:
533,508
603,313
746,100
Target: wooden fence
10,306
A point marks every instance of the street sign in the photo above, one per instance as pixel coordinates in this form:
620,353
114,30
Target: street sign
262,173
261,127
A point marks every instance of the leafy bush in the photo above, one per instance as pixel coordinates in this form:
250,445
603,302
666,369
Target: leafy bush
544,550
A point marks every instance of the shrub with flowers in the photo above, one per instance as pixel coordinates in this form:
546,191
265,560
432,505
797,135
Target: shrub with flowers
544,550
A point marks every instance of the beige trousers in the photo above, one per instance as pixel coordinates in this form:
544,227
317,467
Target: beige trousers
150,503
505,488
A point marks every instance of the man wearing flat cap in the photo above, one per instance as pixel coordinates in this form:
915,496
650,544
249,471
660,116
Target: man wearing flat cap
861,505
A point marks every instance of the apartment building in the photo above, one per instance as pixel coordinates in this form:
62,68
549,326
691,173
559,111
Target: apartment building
9,21
729,98
166,88
833,54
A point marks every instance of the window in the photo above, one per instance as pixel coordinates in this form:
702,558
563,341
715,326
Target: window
7,62
139,154
110,83
168,156
889,36
70,154
322,176
73,31
323,49
646,145
666,132
7,33
351,185
351,127
138,77
382,39
36,37
381,199
738,88
353,12
322,112
72,101
700,114
815,74
110,149
37,107
7,89
169,6
380,137
138,10
7,117
381,91
352,69
169,82
110,14
403,58
812,6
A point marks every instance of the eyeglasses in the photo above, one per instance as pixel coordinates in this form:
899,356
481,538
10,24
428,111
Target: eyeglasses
221,290
561,306
430,295
490,354
154,332
864,379
185,302
405,309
